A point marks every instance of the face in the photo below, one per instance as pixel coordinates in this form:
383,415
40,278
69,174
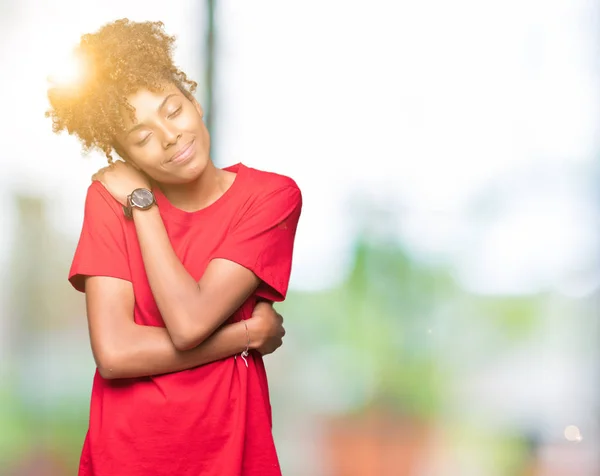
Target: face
168,140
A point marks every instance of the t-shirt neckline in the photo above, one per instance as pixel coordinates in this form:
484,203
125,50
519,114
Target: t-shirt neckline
171,212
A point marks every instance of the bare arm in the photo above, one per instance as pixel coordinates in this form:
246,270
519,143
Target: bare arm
124,349
191,310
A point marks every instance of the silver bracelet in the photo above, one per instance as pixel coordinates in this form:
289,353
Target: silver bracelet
244,354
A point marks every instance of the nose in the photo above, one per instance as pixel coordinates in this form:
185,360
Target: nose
170,137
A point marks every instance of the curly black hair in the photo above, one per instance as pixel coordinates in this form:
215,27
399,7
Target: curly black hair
120,58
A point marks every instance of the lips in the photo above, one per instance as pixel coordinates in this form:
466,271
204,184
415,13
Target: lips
184,153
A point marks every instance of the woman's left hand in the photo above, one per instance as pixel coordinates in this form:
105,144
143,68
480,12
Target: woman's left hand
265,329
120,179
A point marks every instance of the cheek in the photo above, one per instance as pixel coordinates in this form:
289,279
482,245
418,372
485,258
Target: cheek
148,160
204,138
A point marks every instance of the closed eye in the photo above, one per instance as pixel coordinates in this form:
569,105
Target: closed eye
144,140
175,113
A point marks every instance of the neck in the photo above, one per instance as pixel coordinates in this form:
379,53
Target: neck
200,193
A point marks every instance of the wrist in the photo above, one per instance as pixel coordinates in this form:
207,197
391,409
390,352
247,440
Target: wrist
141,199
245,352
250,339
136,212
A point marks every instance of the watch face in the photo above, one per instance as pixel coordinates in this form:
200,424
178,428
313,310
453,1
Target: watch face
142,198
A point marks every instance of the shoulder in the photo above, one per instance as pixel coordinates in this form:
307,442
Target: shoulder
99,204
263,184
264,196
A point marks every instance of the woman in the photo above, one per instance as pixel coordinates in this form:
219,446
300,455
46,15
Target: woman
173,257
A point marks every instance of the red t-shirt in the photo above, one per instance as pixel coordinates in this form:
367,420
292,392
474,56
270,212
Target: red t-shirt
213,420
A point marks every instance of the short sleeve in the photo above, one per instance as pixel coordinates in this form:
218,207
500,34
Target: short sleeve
101,250
263,240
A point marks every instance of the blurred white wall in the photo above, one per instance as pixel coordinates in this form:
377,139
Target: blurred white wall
428,106
423,105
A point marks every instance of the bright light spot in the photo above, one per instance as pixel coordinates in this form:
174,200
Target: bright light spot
572,433
68,71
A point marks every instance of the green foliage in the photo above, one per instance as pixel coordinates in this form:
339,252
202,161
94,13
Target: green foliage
515,316
59,430
386,323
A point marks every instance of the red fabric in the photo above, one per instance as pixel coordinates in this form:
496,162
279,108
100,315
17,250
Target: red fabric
213,420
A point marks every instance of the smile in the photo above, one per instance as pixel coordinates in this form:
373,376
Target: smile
184,154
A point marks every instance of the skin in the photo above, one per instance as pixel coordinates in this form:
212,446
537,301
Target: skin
166,123
124,349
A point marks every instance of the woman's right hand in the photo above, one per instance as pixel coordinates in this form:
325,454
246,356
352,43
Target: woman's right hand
265,328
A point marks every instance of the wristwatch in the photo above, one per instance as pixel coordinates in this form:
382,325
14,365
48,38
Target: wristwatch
140,198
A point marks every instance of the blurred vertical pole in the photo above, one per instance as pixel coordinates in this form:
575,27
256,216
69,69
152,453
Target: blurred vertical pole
28,271
9,10
209,72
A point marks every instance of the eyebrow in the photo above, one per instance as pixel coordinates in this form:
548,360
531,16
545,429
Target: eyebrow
162,104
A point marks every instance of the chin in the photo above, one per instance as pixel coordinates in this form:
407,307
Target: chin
196,167
186,174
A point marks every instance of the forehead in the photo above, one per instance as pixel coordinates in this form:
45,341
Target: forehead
146,102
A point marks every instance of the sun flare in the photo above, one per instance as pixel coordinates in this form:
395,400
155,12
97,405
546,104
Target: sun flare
68,71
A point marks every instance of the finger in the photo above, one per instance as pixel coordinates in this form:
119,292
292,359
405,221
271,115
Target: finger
262,305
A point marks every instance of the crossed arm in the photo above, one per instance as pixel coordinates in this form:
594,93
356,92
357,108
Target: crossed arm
191,310
124,349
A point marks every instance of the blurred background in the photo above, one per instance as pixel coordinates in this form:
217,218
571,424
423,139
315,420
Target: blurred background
443,312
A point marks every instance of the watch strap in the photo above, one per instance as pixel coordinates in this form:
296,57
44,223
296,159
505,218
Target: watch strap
127,209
